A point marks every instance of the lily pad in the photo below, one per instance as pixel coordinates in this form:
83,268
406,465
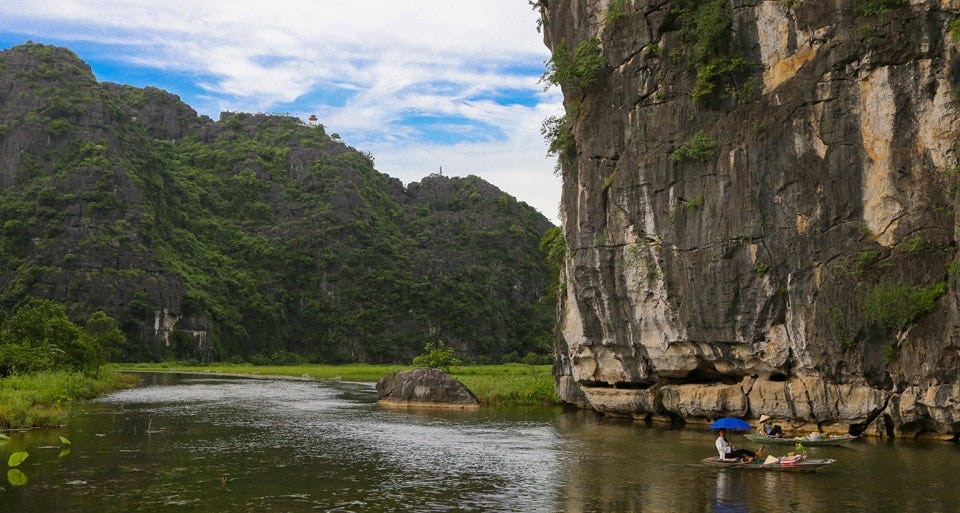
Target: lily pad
64,441
17,458
16,477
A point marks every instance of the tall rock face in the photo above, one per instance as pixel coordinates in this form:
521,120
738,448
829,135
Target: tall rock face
759,207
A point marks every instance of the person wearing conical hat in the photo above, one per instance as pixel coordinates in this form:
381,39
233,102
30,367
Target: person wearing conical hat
765,429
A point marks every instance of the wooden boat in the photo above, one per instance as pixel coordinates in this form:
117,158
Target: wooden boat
771,440
790,465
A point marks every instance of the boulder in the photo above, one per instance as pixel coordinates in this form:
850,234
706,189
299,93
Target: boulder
419,388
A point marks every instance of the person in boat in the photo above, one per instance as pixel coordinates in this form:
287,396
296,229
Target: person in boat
765,429
727,452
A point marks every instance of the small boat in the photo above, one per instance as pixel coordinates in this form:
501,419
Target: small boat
827,440
793,464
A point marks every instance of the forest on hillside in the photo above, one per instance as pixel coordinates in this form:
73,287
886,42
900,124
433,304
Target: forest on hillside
252,237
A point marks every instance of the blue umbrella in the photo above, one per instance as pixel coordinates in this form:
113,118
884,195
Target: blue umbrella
730,424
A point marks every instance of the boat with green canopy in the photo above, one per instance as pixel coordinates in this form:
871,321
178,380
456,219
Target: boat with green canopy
806,441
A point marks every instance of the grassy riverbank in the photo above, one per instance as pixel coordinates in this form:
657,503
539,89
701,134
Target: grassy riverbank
507,384
36,400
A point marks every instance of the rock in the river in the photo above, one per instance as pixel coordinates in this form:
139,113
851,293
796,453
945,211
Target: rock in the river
430,388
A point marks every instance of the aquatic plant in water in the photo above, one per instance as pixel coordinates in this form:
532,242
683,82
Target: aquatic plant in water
15,476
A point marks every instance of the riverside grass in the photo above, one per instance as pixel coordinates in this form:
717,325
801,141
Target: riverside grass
511,384
36,400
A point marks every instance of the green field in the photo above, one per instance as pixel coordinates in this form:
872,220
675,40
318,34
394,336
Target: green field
507,384
36,400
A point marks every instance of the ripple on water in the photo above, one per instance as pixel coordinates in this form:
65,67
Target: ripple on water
395,457
225,444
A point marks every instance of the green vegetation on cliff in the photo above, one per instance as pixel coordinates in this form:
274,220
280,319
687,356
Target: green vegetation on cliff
705,35
879,7
554,248
579,68
250,236
701,148
894,306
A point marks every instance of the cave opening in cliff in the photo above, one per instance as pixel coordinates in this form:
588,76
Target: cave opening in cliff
632,385
623,385
702,376
777,377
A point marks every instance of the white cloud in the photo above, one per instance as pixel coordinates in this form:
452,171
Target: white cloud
393,54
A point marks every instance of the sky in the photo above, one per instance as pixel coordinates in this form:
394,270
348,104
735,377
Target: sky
424,86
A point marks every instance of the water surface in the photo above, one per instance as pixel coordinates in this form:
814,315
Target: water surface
219,444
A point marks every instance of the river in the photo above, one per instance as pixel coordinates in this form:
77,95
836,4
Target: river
222,444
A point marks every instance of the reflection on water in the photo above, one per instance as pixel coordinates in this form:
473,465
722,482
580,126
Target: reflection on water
232,444
727,498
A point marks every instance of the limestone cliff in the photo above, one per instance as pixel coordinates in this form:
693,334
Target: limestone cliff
759,207
254,237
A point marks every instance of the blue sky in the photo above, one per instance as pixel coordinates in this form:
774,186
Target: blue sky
419,84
